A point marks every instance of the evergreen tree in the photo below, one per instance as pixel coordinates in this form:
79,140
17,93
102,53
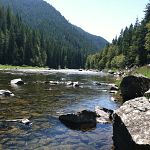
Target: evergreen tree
131,48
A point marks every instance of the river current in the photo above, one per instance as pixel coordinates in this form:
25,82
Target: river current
43,103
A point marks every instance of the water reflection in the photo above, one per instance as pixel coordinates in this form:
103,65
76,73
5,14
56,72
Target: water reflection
43,103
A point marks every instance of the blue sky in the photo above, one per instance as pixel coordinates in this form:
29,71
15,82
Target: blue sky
105,18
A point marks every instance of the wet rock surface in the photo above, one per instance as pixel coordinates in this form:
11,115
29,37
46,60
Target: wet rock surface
131,125
84,120
6,93
87,120
132,87
147,94
104,115
18,81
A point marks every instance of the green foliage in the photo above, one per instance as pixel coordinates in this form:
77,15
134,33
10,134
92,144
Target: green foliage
19,44
147,43
54,42
118,61
144,70
131,48
19,67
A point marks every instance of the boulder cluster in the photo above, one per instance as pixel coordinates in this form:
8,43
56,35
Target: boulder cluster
131,121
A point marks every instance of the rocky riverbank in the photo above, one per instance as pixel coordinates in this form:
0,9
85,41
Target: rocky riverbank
131,121
134,86
131,125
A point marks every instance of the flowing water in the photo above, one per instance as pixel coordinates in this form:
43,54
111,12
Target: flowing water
42,103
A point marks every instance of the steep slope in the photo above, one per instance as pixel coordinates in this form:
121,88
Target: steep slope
41,15
98,41
19,44
130,49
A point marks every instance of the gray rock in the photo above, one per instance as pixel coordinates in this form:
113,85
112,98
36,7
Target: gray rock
73,84
76,84
114,88
97,83
147,94
131,125
84,120
132,87
110,72
6,93
54,82
17,81
113,92
69,83
24,121
104,115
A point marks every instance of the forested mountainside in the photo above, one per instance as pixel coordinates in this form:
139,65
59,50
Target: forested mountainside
19,44
65,44
131,48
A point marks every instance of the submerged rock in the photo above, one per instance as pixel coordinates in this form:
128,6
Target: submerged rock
97,83
132,87
17,81
131,125
6,93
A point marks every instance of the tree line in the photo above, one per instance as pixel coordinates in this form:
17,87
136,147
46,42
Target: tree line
131,48
19,44
23,45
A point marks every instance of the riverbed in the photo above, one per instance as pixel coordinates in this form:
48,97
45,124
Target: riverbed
43,103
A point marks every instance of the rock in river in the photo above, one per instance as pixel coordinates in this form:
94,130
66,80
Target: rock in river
17,81
147,94
84,120
131,125
104,115
25,121
132,87
6,93
74,84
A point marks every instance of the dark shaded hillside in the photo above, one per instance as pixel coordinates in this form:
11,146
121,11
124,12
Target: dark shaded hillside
98,41
19,44
41,15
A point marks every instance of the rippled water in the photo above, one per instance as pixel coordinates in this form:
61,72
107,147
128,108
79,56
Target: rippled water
42,103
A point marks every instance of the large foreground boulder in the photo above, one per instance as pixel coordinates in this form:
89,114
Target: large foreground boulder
131,125
132,87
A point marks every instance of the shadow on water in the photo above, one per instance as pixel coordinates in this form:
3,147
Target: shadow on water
44,103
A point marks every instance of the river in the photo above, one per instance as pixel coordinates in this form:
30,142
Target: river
42,103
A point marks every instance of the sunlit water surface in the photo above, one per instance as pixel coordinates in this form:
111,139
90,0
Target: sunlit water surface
43,103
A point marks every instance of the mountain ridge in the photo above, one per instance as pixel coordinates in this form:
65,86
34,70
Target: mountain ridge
66,45
50,18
